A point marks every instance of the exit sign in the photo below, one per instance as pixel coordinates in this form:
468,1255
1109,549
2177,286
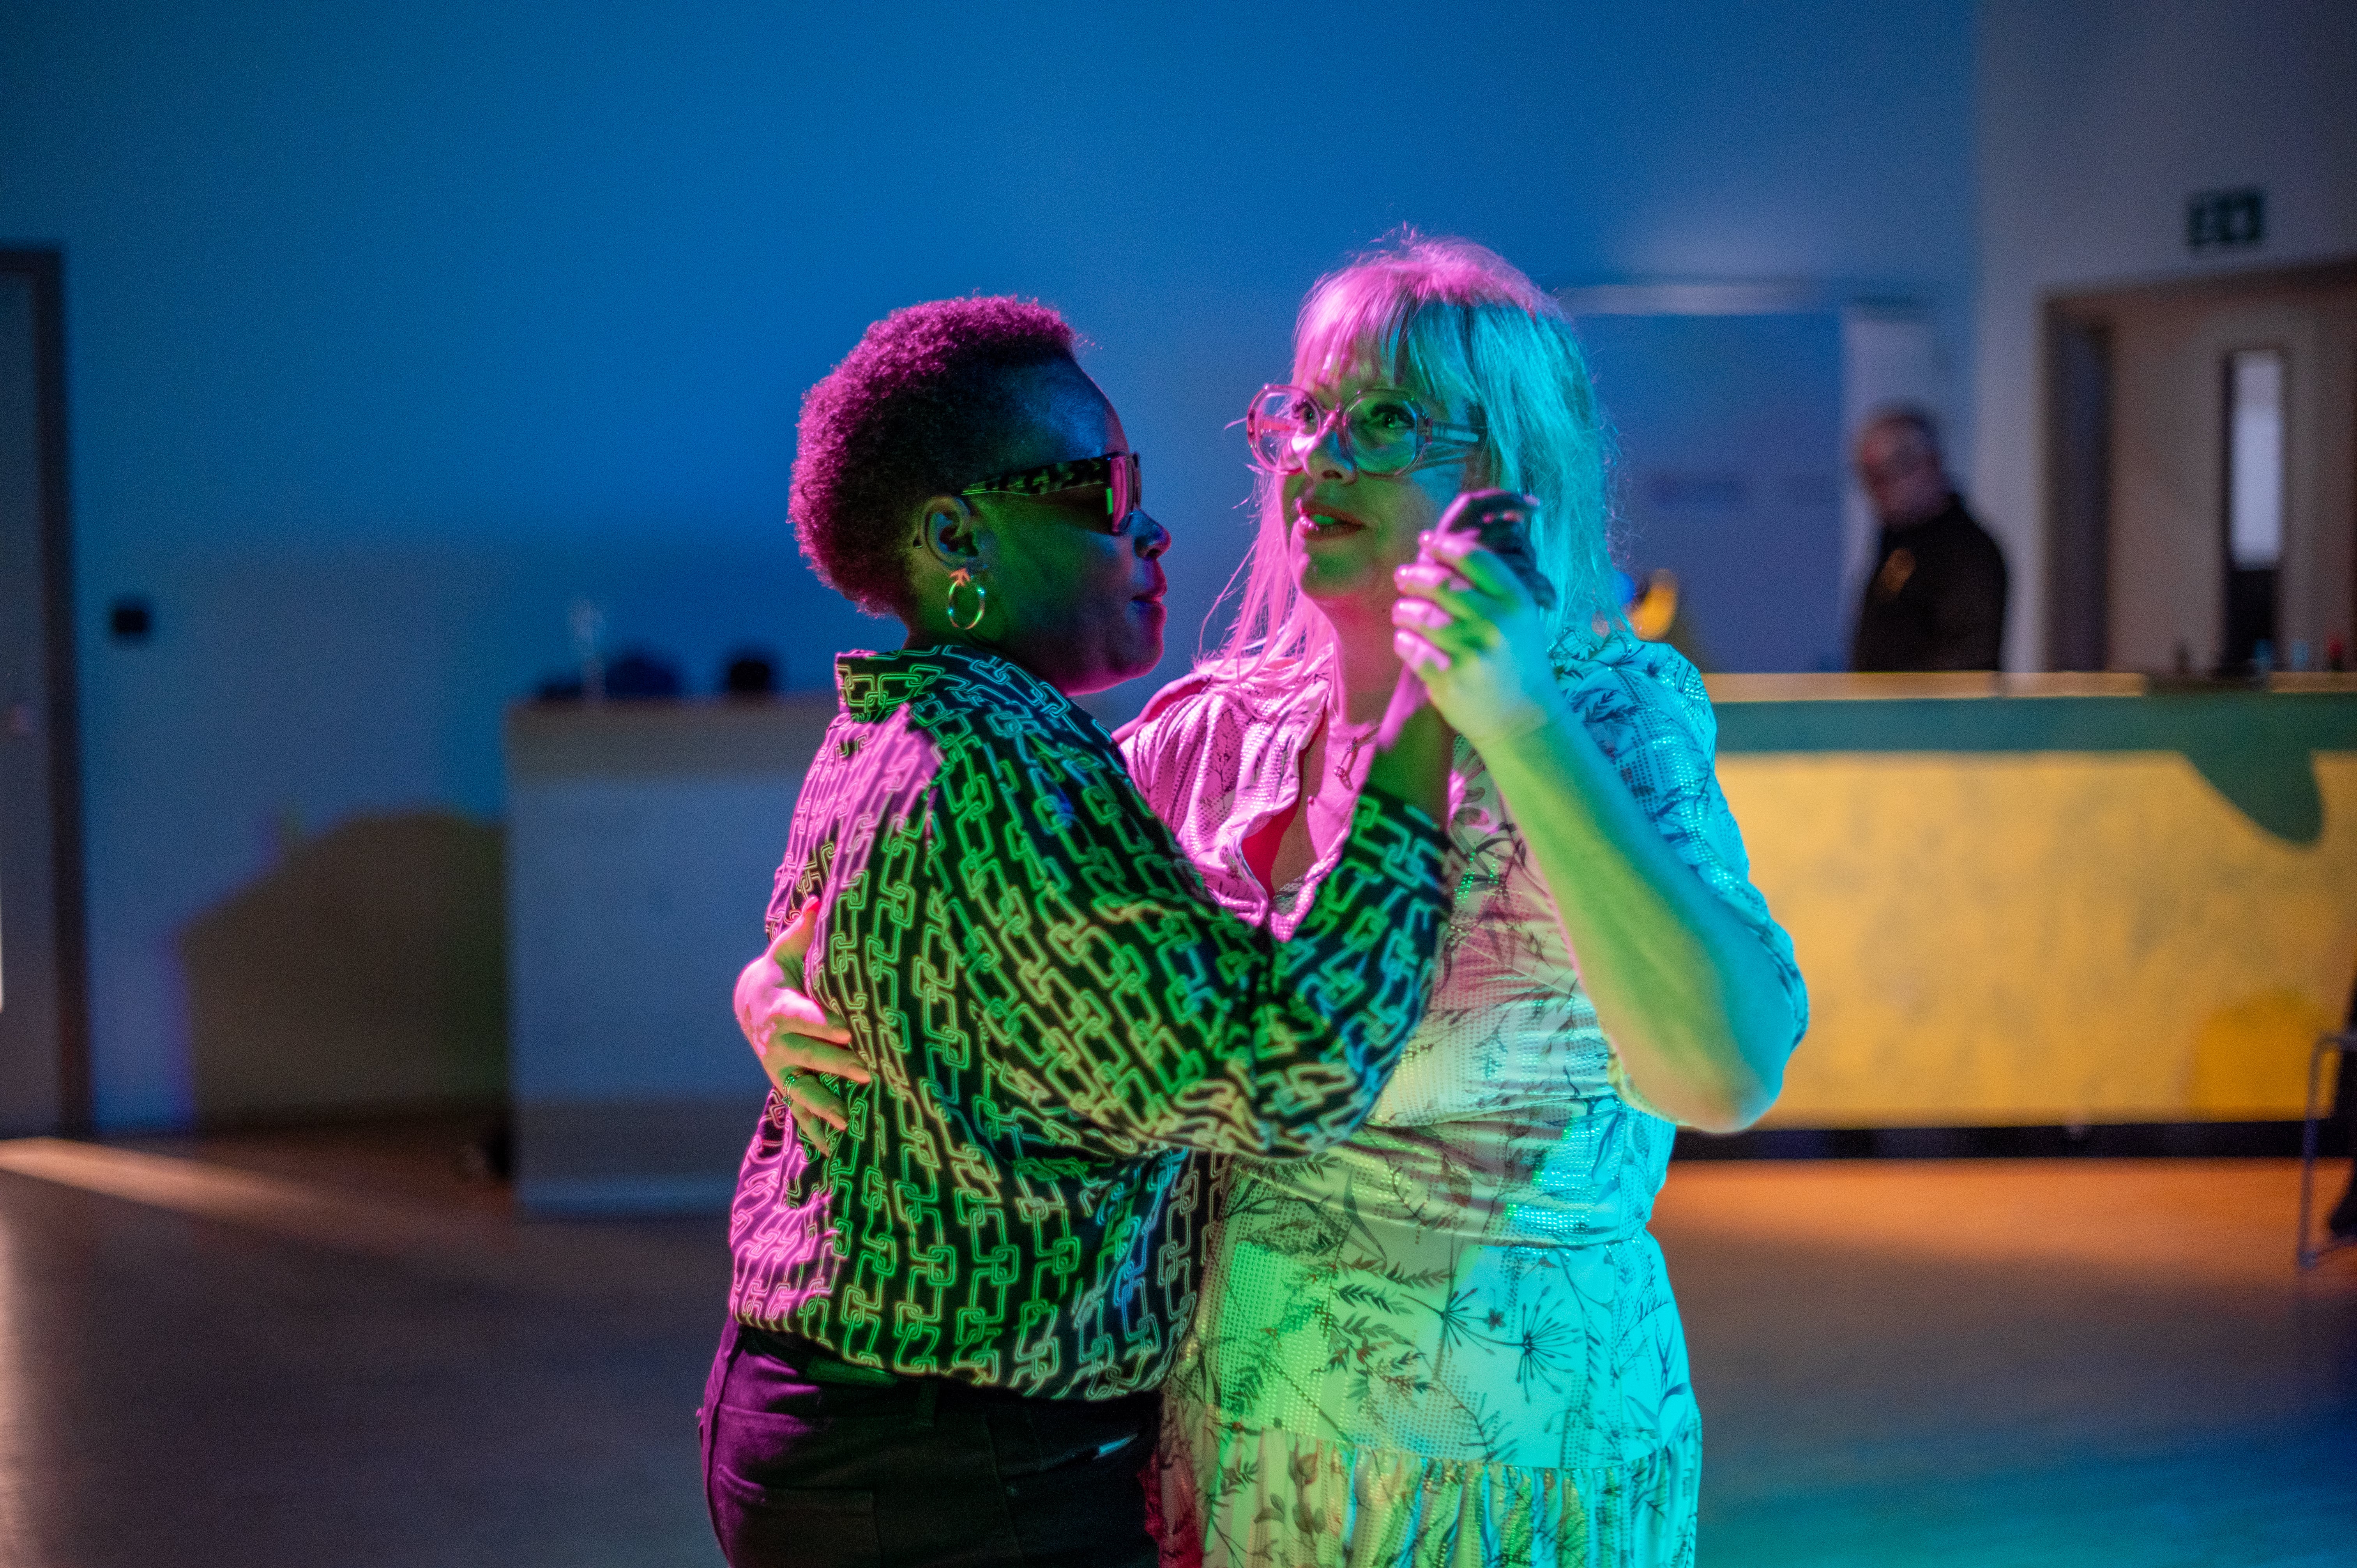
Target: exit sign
2225,219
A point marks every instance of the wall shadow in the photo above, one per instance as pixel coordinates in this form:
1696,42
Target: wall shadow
365,973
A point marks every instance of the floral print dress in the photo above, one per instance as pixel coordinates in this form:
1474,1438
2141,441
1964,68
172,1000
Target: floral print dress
1449,1340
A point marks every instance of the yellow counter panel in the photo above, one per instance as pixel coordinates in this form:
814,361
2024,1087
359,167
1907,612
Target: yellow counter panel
2012,931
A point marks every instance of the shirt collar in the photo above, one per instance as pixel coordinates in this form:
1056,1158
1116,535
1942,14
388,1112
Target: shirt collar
870,685
1289,695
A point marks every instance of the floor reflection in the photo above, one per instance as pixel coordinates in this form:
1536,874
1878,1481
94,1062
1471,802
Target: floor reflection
328,1348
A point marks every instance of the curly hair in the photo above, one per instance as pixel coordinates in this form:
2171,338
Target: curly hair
924,405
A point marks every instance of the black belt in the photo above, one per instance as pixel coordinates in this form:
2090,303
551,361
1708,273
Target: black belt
821,1365
814,1361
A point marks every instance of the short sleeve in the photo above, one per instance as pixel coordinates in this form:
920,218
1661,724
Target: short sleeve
1646,707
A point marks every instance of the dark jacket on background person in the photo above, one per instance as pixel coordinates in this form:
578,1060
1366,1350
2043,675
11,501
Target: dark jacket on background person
1935,599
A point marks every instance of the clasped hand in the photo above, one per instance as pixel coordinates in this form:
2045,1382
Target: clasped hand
790,1034
1472,633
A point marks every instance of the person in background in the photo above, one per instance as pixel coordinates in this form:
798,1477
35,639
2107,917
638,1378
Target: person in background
1935,599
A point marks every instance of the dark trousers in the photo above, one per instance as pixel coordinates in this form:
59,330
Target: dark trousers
804,1467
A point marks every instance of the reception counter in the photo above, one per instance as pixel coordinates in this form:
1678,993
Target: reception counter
2051,899
2019,901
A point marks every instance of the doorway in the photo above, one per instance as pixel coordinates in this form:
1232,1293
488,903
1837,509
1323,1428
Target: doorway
2201,474
44,1014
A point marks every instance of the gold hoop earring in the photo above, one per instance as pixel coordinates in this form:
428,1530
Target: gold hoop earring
961,578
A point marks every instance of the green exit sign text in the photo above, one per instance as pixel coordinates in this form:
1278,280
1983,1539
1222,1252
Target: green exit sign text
2225,219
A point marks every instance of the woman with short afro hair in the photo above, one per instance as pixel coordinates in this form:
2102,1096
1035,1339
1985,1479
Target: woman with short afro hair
951,1306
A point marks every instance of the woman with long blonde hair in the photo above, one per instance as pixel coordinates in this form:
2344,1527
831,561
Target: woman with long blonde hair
1451,1339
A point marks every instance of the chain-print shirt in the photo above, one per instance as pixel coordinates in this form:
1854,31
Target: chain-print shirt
1060,1023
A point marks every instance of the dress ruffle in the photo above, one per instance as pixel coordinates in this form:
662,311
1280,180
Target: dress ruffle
1230,1496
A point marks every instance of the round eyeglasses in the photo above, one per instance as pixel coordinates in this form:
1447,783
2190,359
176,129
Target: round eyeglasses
1382,430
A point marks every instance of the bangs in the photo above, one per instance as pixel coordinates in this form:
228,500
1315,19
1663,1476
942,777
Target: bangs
1379,315
1351,325
1457,322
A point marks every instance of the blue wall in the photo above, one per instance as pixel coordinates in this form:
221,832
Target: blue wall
396,328
1731,441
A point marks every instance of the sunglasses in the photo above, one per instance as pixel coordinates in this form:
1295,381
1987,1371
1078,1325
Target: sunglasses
1115,473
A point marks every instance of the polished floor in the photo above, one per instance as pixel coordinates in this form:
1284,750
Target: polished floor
2005,1364
331,1349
